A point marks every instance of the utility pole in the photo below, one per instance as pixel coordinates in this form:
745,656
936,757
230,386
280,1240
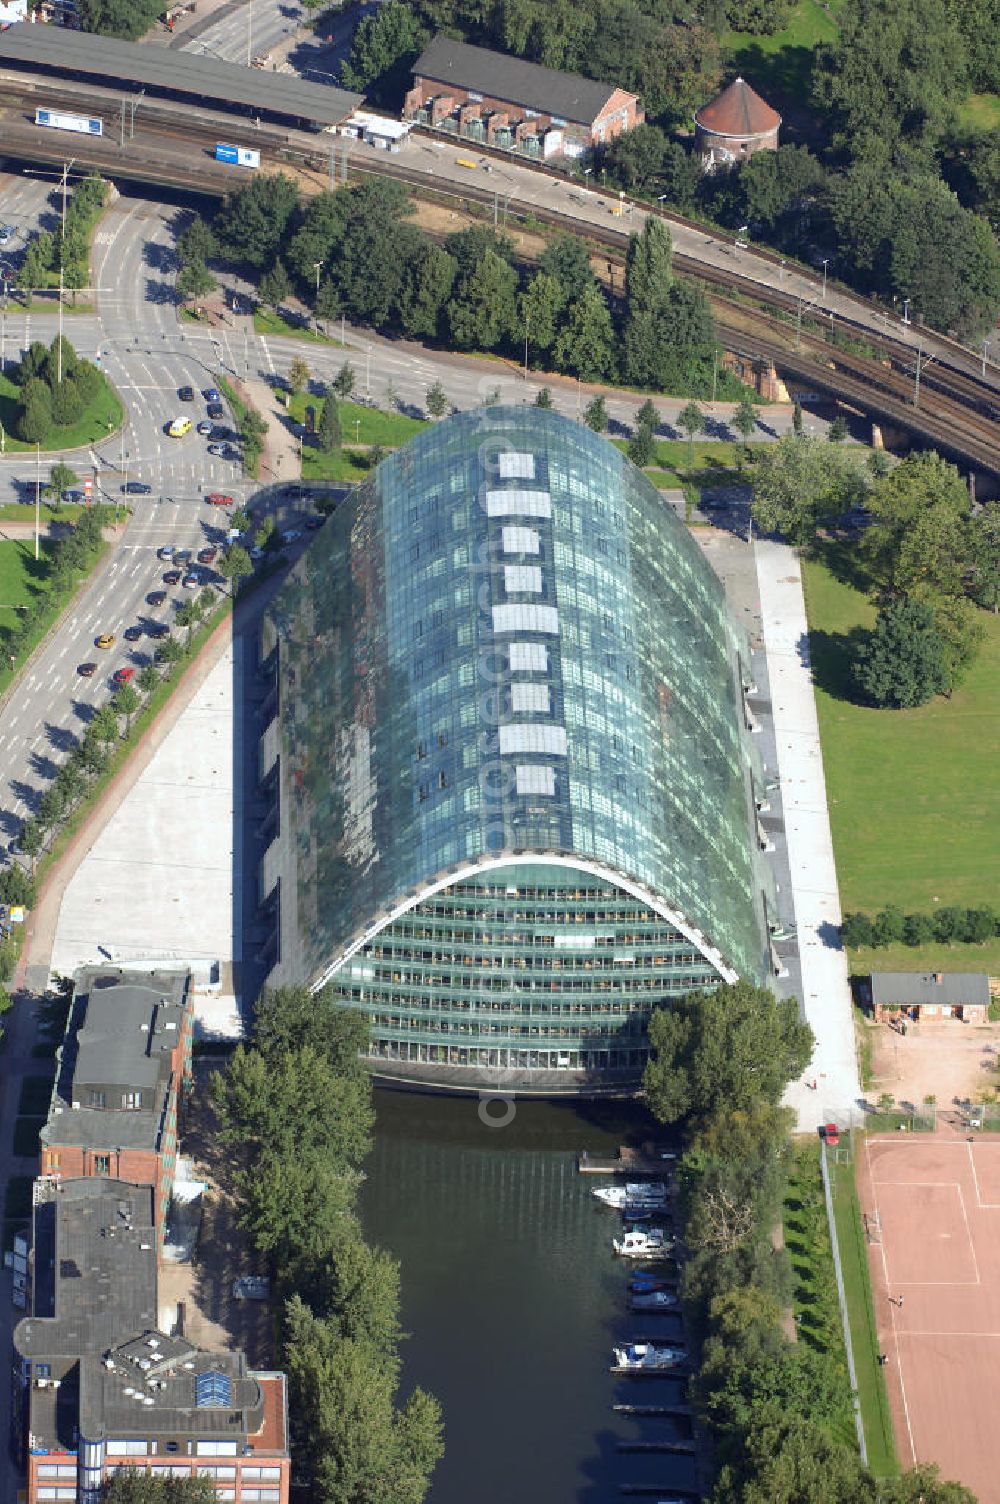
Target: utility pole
798,323
368,370
317,265
906,310
826,260
916,380
249,32
527,326
38,492
60,343
985,345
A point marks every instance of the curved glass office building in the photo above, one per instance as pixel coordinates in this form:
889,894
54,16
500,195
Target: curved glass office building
516,794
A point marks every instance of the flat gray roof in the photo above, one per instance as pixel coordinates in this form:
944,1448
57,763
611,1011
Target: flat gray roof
568,96
912,989
164,70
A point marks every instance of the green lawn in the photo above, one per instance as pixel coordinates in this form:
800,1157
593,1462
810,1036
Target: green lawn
814,1292
103,416
981,111
359,425
20,511
780,66
21,576
912,793
875,1415
267,321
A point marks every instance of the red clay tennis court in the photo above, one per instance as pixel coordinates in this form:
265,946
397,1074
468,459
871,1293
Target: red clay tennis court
932,1209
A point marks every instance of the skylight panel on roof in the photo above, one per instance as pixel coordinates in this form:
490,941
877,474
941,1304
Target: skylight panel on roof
533,737
520,540
535,778
528,657
213,1388
523,579
518,503
513,466
525,618
530,697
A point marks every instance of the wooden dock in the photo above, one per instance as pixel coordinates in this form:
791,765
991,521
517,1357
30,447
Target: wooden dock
646,1161
676,1412
679,1448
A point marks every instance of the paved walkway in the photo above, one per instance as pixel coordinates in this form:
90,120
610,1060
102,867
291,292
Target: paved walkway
826,994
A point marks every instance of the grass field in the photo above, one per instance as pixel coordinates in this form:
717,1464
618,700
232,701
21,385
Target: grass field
267,321
21,576
359,425
102,417
779,67
912,793
981,111
874,1401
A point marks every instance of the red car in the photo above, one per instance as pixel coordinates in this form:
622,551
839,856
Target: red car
172,577
124,675
832,1135
207,556
219,499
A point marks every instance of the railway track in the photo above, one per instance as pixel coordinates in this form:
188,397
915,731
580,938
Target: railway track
959,406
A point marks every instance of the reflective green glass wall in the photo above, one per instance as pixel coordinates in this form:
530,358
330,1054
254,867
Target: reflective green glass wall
504,643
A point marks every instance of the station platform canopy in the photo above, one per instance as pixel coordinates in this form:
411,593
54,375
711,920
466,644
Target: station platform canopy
162,72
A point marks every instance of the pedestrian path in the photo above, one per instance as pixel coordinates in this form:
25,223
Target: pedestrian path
826,993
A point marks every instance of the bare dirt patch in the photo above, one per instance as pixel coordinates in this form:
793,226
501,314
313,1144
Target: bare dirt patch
949,1060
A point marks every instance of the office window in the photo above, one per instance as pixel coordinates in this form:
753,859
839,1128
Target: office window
102,1166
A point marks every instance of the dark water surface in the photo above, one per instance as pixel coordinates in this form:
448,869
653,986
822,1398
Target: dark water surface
512,1298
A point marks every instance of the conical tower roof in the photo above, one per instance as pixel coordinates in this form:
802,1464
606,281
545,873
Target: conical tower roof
738,111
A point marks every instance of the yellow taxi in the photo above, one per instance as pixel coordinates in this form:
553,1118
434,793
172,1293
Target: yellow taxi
179,427
106,640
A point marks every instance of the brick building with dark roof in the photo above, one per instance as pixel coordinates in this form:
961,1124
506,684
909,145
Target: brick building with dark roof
124,1061
931,994
489,98
100,1387
734,125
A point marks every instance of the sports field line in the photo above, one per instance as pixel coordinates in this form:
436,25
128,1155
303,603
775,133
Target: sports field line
917,1332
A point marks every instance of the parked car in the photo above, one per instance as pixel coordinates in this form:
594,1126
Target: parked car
158,630
156,598
181,555
186,393
166,552
207,556
136,488
219,450
124,675
212,394
172,577
219,499
6,231
216,410
191,581
132,634
205,428
87,670
832,1135
291,535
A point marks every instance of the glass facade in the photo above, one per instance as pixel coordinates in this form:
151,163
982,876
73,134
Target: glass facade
505,655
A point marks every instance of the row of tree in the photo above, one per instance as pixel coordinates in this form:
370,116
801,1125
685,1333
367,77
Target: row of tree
928,556
354,251
68,557
720,1063
296,1117
55,387
951,925
67,253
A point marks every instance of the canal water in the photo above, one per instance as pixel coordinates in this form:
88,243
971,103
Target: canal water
512,1298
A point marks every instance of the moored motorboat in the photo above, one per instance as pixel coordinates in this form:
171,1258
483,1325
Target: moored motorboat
642,1243
634,1193
645,1357
653,1300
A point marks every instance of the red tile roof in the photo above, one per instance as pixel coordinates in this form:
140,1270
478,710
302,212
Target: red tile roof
738,111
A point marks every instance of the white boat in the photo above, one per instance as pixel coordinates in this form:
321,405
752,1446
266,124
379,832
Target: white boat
636,1193
642,1243
643,1357
653,1300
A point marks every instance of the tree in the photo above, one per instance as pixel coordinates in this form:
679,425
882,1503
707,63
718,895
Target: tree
540,307
648,416
797,419
253,223
169,653
428,277
383,49
235,565
728,1049
744,418
692,420
648,280
544,399
105,724
30,838
595,415
585,346
641,447
887,927
275,286
35,413
194,280
126,702
147,678
856,930
299,374
344,381
920,536
800,483
837,432
329,436
983,543
567,260
635,158
482,311
197,241
61,480
902,662
918,929
437,400
187,617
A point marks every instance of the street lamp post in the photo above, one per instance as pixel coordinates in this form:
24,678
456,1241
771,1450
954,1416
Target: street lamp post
906,310
317,266
59,346
826,261
38,493
527,327
368,370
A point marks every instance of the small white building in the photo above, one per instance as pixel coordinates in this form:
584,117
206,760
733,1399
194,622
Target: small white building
377,130
12,11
